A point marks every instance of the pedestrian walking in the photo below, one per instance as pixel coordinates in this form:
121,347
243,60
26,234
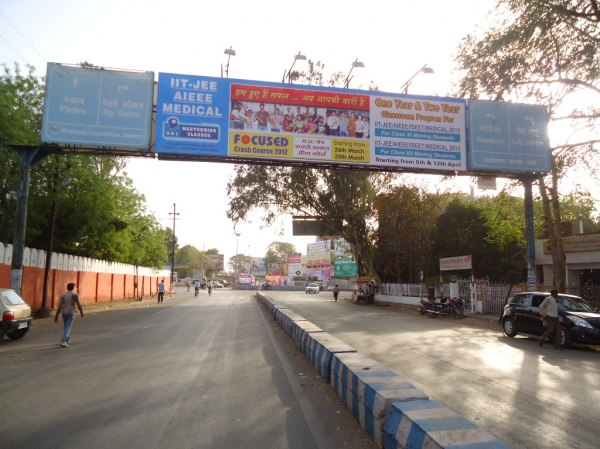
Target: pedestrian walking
68,302
372,288
549,310
336,292
161,291
172,287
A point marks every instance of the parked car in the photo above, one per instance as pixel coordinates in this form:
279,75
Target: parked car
580,323
312,288
16,315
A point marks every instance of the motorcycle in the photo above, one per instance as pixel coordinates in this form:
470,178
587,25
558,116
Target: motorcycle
446,306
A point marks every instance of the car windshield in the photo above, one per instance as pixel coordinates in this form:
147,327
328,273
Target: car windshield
312,285
566,303
11,298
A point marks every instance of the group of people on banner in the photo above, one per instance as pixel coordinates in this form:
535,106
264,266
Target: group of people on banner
274,118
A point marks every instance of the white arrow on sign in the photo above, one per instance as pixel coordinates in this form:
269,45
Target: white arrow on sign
492,116
75,82
122,87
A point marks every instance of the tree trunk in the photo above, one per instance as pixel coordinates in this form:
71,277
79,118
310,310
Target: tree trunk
552,218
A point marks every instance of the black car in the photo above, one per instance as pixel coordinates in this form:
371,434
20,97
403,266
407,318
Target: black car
580,323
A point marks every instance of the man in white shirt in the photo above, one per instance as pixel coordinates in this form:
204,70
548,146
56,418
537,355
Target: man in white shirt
549,310
334,124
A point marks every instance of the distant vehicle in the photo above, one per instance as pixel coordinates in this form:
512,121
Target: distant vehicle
312,288
16,315
217,285
579,322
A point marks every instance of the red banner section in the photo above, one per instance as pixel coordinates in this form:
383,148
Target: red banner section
300,97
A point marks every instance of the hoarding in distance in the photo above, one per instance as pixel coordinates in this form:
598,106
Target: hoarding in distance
238,119
100,108
507,137
345,267
456,263
216,261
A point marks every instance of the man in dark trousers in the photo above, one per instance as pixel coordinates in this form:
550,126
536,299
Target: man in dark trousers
161,291
549,310
66,307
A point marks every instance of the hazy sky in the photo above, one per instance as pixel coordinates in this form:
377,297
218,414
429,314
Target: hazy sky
394,39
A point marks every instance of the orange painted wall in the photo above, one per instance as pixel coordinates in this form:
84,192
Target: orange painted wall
4,275
92,287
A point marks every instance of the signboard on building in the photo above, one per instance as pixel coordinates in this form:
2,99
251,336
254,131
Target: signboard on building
456,263
239,119
508,137
345,267
587,242
100,108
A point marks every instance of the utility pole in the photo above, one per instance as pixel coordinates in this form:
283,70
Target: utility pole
174,213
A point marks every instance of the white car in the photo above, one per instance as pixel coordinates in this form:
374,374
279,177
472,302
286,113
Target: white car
312,288
217,285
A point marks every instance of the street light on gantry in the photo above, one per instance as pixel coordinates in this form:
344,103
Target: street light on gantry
297,57
229,52
356,63
424,69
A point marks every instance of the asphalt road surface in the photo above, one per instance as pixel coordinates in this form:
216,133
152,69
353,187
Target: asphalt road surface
189,373
527,396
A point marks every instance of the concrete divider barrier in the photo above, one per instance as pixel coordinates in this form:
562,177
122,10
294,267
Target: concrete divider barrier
300,332
394,413
286,319
320,348
430,425
368,389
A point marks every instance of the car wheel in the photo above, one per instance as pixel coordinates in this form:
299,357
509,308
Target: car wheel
510,327
567,338
18,334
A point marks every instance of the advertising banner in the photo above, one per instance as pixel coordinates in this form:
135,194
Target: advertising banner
84,106
345,267
341,248
258,266
456,263
216,261
236,119
319,248
296,269
245,278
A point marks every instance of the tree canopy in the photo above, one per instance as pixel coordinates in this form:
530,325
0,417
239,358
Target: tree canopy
99,214
545,52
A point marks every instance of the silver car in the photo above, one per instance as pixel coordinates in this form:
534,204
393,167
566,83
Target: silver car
312,288
16,315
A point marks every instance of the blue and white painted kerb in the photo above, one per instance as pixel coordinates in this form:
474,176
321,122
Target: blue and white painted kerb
320,348
394,413
368,389
286,319
430,425
300,332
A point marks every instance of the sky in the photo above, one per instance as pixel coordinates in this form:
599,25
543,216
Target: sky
393,39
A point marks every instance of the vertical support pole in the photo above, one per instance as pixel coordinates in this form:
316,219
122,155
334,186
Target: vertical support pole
529,233
27,155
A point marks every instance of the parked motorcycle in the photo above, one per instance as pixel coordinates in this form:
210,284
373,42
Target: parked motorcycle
446,306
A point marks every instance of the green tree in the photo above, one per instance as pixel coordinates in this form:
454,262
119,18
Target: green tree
546,52
237,264
98,212
276,250
407,217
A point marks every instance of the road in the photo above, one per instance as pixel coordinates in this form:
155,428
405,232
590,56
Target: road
219,373
188,373
527,396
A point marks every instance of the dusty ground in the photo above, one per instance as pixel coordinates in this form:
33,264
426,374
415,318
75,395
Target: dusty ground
483,321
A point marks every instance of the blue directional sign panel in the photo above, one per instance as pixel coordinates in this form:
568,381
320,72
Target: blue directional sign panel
508,137
92,107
